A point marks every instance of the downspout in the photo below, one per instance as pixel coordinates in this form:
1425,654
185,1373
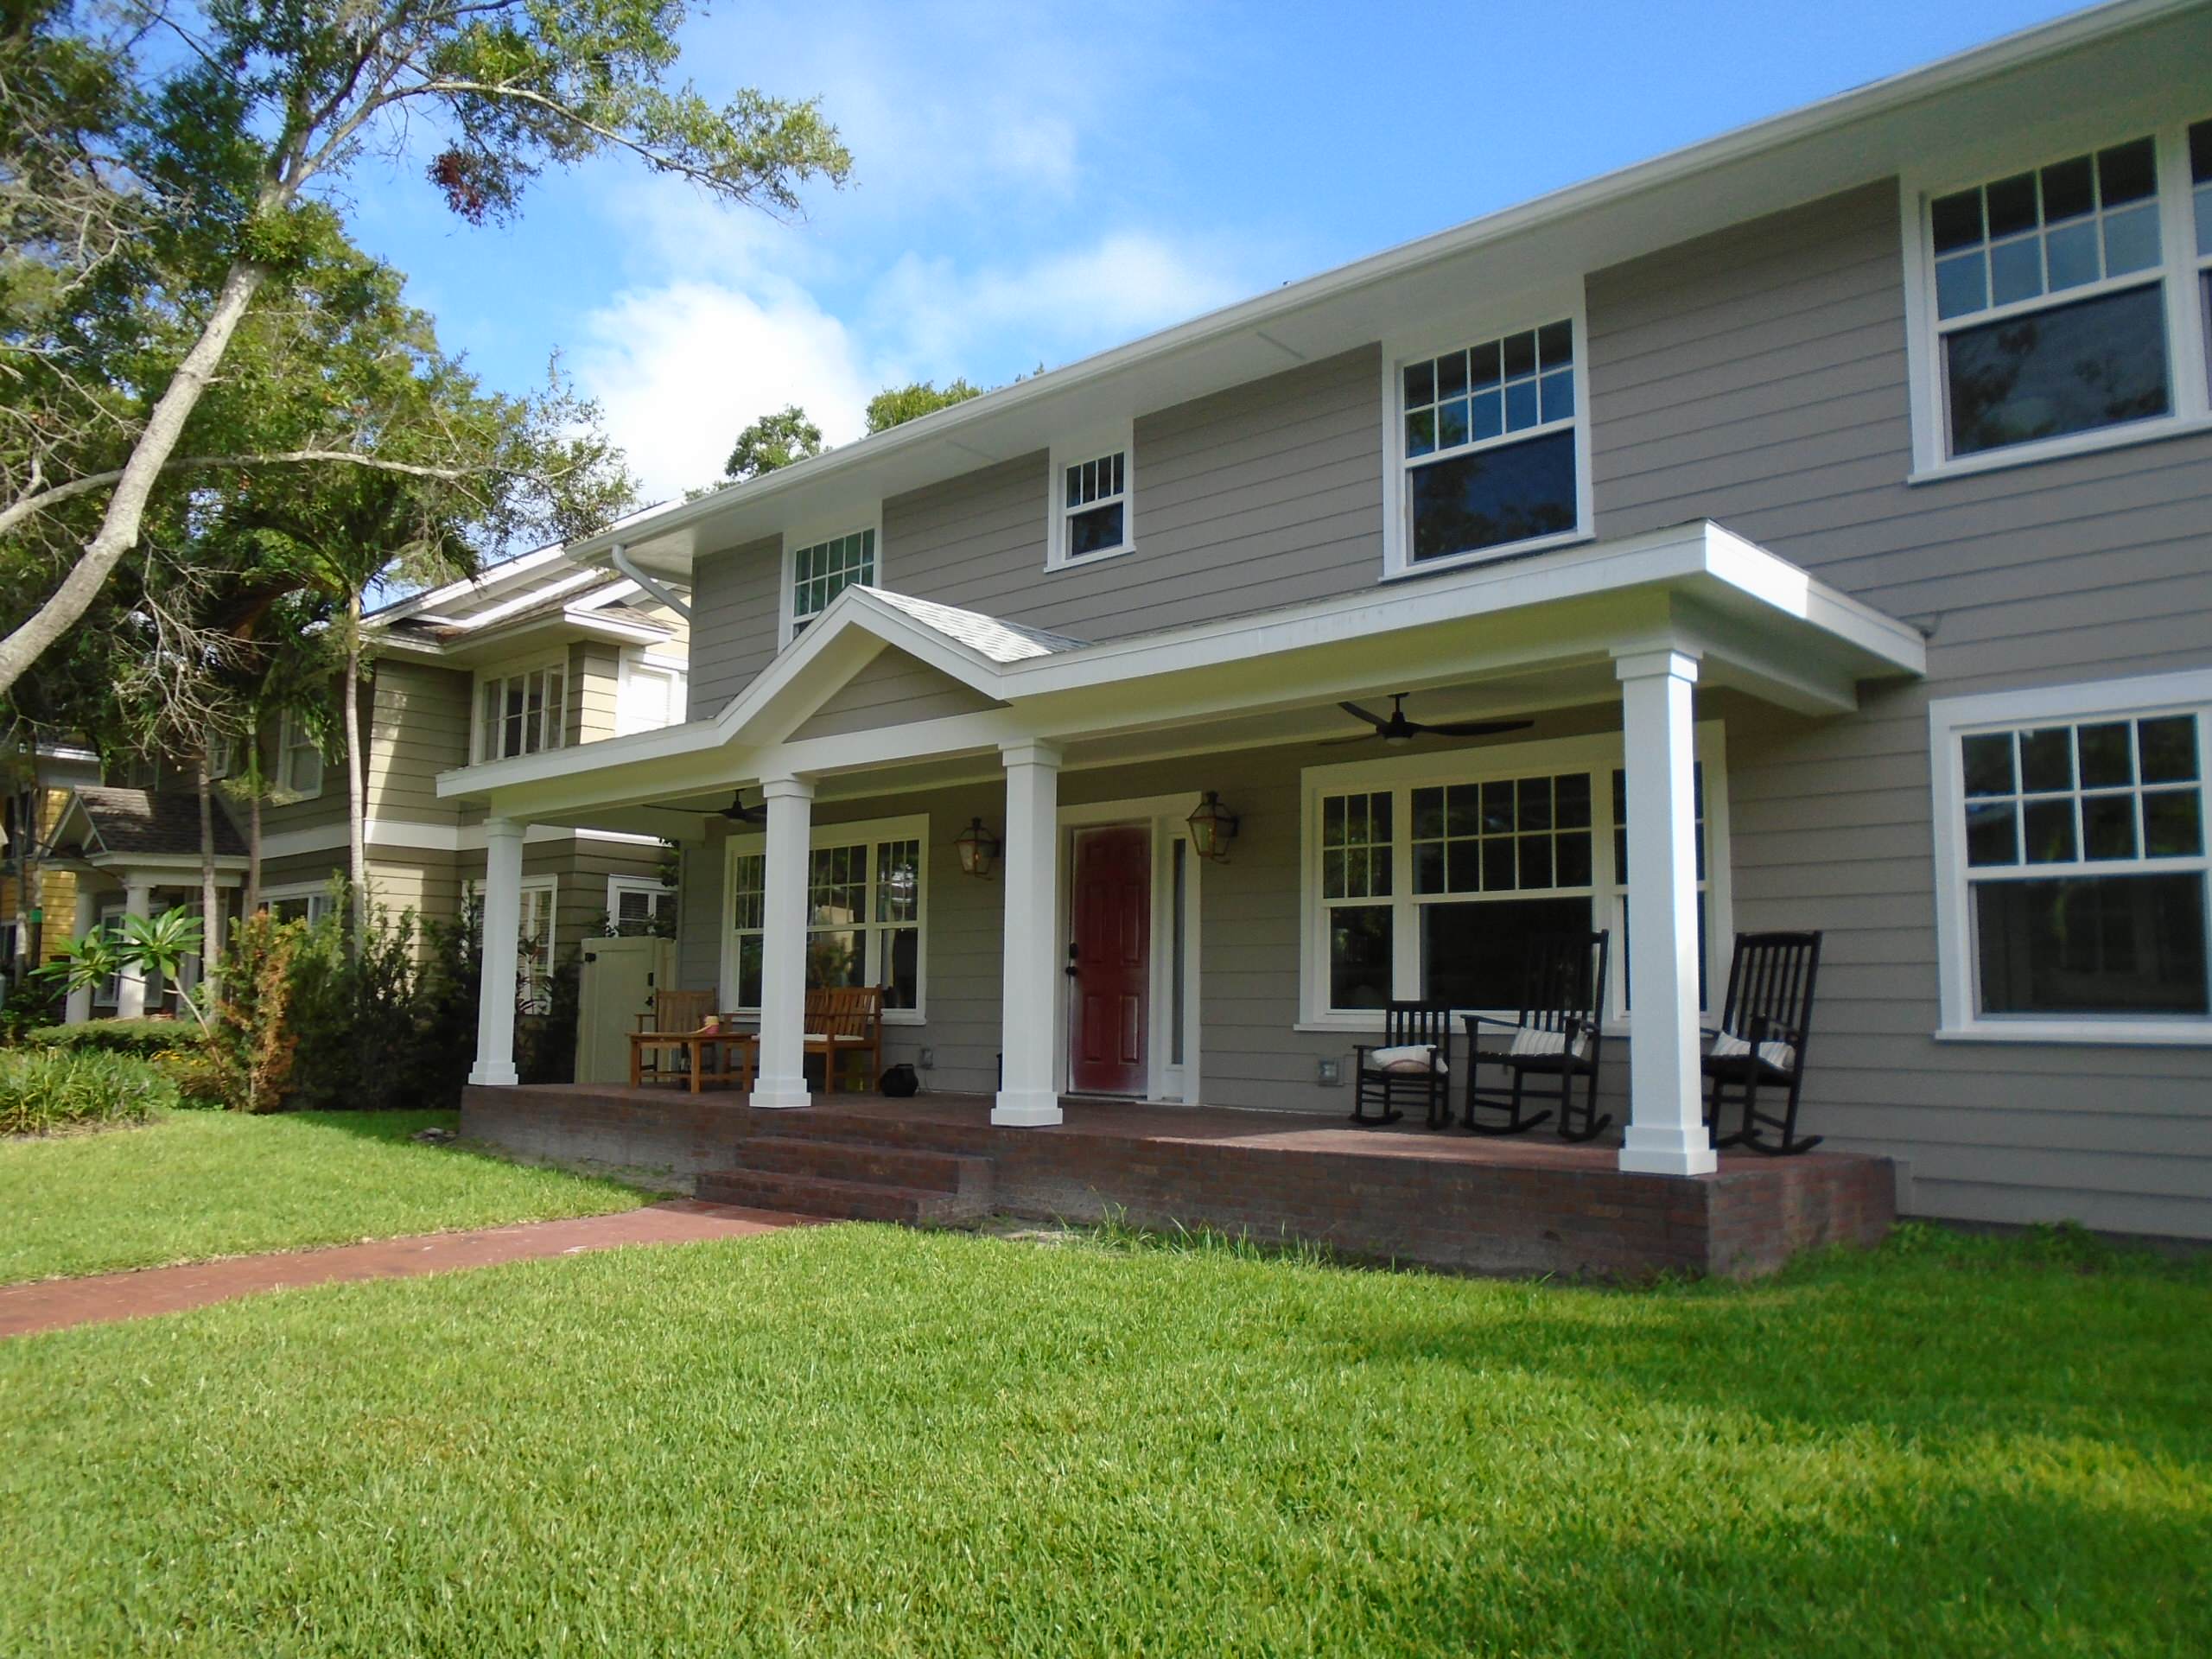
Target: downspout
619,556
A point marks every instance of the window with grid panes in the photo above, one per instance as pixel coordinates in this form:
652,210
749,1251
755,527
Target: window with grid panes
521,714
1096,513
825,569
863,918
1355,870
1489,435
1495,864
2086,868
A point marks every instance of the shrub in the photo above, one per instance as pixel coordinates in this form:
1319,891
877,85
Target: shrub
146,1038
248,1061
34,1002
41,1091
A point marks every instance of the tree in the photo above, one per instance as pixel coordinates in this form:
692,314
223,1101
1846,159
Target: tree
774,442
211,165
896,405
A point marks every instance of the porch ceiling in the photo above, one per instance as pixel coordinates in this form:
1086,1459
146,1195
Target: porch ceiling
1510,636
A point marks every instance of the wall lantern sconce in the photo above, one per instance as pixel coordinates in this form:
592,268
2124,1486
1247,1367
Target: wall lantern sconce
1212,827
979,848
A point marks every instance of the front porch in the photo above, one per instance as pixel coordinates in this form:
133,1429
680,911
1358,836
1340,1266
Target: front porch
1525,1206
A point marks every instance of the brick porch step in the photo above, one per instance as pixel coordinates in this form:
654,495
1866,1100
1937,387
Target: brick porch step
797,1193
876,1162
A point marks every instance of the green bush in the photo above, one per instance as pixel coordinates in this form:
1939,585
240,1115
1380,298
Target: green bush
146,1038
34,1002
41,1091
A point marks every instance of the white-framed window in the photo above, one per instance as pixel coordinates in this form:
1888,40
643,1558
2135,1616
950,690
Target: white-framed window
304,901
1425,875
1486,437
822,561
108,993
650,693
1091,498
866,912
535,944
299,761
2056,302
2200,188
2071,873
222,757
640,906
522,713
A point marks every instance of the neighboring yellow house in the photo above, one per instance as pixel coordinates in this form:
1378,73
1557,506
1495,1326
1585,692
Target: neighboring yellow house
38,900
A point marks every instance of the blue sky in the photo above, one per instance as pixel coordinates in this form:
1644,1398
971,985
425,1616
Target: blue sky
1034,182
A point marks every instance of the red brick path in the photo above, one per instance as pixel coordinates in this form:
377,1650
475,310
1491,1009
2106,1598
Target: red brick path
53,1303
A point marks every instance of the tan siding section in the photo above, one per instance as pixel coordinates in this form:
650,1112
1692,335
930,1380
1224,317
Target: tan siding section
418,725
893,690
1758,378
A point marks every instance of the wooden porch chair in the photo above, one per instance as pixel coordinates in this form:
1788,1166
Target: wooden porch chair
846,1022
674,1015
1761,1040
1385,1082
1557,1035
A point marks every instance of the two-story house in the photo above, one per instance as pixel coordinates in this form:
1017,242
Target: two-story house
532,655
1825,509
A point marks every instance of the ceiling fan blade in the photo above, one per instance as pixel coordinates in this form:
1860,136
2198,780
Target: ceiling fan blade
1477,727
1338,742
1357,713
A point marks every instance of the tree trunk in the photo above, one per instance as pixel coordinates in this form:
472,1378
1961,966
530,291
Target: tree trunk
126,508
252,813
357,860
210,901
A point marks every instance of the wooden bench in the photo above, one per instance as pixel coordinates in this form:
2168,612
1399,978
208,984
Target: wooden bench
841,1024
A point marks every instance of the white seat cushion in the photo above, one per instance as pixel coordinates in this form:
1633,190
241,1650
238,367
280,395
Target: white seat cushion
1409,1056
1727,1045
1530,1043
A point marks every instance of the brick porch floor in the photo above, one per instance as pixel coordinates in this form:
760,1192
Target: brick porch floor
1526,1205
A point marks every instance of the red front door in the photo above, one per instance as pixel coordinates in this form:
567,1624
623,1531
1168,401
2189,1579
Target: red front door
1110,956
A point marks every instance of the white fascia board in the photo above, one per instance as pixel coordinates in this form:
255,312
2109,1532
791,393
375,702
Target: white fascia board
1729,154
489,579
1699,560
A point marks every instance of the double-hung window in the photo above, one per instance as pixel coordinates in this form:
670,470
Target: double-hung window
1091,504
522,713
1488,448
299,760
2071,868
534,946
308,904
1426,876
866,913
640,907
819,568
2062,306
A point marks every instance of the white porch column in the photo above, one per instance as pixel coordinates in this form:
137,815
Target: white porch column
502,922
1029,1092
79,1008
1665,1131
782,1078
131,994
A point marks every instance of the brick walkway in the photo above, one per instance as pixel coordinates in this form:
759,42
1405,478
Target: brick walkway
53,1303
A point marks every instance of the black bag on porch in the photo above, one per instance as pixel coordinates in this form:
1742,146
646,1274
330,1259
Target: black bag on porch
899,1082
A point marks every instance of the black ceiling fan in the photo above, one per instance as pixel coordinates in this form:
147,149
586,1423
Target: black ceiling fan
737,812
1398,729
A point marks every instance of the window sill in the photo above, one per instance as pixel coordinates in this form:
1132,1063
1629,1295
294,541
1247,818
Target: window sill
2080,443
1083,562
1487,555
2113,1033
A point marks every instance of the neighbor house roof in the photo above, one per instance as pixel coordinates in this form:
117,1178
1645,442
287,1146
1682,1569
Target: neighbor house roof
101,821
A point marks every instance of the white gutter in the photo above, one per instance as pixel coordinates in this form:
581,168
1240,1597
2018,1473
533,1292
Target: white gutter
619,556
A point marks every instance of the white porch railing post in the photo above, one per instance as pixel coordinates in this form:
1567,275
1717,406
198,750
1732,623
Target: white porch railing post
782,1079
130,993
1665,1131
502,919
1029,1092
79,1008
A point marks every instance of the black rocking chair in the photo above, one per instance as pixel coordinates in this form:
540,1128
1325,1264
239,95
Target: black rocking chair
1405,1025
1556,1036
1761,1041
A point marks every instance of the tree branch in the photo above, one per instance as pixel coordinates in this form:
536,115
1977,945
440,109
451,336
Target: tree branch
26,506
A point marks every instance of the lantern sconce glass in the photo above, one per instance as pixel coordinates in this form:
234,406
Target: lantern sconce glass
1212,827
978,847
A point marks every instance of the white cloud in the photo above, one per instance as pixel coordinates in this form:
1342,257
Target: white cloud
682,368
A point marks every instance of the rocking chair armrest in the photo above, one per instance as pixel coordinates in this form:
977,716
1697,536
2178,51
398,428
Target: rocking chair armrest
1491,1019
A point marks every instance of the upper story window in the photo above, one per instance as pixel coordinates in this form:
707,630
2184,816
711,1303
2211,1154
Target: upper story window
1489,447
1091,499
650,694
2062,307
521,714
819,569
2071,867
299,760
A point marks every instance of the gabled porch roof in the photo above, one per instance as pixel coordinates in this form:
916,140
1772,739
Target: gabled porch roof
1519,633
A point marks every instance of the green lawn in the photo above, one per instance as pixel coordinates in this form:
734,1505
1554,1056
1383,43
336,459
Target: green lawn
195,1185
859,1439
